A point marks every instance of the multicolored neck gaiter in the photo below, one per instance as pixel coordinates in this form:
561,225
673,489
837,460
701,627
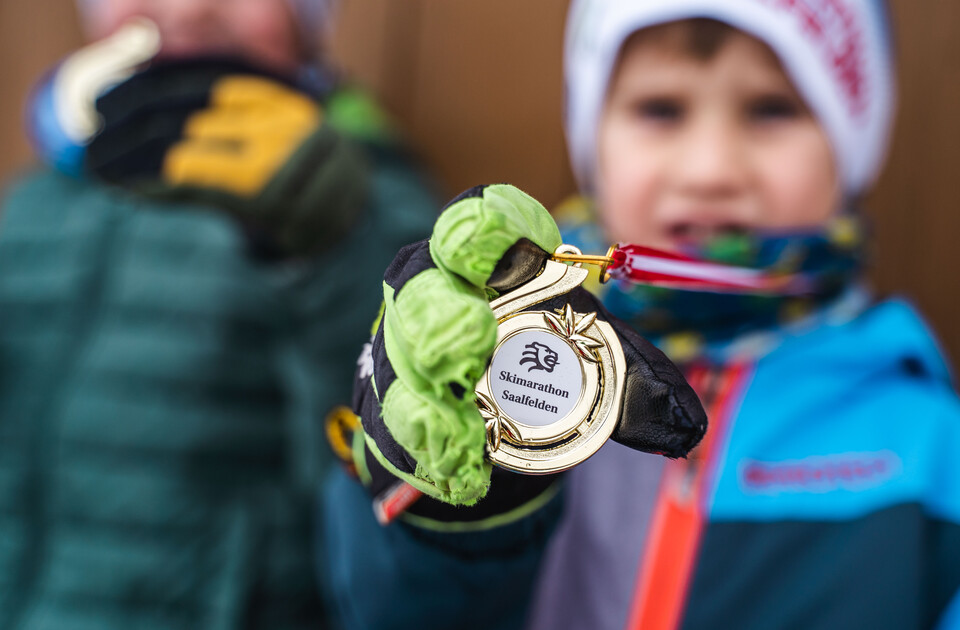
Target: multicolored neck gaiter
692,324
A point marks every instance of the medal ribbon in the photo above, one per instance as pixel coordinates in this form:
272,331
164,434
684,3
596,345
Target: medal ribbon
646,265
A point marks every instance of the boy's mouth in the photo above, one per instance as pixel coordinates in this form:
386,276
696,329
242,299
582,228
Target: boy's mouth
688,235
729,243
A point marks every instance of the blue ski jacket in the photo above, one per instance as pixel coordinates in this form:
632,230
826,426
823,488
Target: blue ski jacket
826,495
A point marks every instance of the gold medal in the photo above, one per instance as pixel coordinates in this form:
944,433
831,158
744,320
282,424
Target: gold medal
552,393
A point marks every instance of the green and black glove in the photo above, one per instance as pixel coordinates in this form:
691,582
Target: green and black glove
435,337
223,133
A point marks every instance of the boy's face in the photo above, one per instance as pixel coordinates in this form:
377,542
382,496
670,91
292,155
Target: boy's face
689,149
261,31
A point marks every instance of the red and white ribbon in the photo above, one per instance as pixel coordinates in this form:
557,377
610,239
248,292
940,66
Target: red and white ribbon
645,265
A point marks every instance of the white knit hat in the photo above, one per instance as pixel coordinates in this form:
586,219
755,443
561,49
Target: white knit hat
314,19
837,52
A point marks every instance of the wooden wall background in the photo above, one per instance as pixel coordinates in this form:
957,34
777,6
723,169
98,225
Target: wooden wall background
477,86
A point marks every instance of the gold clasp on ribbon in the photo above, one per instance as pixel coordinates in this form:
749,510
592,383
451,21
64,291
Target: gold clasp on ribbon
571,254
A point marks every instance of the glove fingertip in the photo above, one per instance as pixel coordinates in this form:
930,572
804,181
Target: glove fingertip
482,224
444,436
439,330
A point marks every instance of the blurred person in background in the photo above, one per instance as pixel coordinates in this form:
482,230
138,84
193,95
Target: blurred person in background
177,314
826,493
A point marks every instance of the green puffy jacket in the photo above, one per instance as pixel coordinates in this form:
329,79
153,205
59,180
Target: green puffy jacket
161,401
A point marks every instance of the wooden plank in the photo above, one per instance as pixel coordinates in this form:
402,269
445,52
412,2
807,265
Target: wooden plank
916,205
33,36
490,94
375,44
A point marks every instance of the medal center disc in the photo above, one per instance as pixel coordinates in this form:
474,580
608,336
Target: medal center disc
536,377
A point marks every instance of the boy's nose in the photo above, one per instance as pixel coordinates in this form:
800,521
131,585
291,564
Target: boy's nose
709,164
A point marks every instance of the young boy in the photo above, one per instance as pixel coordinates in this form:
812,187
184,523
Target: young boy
178,316
825,494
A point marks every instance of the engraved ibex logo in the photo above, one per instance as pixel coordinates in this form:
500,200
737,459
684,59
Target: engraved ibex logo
542,356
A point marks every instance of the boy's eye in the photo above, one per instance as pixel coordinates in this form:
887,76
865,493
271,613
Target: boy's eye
659,109
772,108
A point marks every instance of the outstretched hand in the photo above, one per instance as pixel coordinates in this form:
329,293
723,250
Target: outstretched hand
436,335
